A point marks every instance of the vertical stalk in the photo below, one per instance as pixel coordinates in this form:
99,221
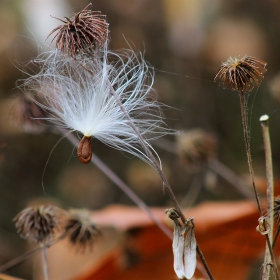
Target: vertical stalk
45,262
247,147
270,190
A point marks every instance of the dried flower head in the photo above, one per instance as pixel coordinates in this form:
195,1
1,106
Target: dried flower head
84,32
28,114
38,224
196,148
85,95
241,74
82,231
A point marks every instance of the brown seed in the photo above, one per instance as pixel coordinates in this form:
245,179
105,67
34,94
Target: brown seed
85,150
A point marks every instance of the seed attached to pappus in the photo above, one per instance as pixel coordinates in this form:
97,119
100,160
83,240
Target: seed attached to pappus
85,150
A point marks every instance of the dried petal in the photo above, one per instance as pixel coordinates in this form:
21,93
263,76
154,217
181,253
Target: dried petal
190,249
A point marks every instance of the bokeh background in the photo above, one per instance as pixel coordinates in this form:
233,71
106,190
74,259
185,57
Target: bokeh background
185,41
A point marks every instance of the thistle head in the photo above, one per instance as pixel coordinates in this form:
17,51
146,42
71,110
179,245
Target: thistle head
82,231
241,74
82,33
277,210
38,224
196,148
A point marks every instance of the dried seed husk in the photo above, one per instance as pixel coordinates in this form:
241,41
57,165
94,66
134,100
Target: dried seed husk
85,150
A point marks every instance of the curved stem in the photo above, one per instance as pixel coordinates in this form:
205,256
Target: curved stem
247,146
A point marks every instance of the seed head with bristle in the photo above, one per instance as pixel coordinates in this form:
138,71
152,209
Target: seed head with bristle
84,32
85,95
196,148
38,224
82,231
277,210
241,74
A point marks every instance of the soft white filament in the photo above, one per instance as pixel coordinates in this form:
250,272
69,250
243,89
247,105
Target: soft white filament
84,94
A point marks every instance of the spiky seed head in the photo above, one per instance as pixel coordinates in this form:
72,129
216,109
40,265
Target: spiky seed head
241,74
196,148
38,224
277,210
84,32
28,114
83,233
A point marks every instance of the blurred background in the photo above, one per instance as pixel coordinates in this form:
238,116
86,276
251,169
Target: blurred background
185,41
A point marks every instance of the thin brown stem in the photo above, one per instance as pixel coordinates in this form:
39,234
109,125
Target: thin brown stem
247,147
275,270
199,252
152,158
270,192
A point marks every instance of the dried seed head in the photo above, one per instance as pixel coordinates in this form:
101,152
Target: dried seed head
38,224
84,32
28,114
82,231
241,74
84,150
196,148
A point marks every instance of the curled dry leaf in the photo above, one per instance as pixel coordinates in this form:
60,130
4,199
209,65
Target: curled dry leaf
263,228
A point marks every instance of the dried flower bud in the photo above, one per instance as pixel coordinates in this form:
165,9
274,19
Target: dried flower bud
196,148
241,74
28,114
38,224
183,245
84,32
82,231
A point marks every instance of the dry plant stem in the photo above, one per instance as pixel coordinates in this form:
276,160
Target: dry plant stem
232,178
160,172
19,259
276,236
216,166
45,262
32,252
270,191
274,267
199,252
115,179
247,146
151,156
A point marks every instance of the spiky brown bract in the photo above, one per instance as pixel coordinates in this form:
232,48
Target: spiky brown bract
38,224
83,233
277,210
196,148
241,74
84,32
